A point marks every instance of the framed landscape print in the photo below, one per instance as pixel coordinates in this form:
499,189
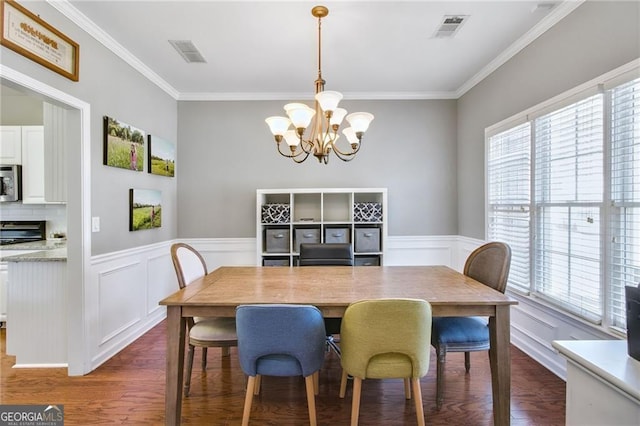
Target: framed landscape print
123,145
162,157
145,209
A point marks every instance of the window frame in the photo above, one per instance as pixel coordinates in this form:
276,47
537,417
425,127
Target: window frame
601,85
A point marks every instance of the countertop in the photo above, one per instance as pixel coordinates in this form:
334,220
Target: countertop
36,251
607,359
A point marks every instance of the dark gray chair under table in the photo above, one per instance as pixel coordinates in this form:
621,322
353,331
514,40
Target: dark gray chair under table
327,254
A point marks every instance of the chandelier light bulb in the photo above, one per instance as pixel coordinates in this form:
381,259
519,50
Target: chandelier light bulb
337,116
360,121
291,138
329,100
350,134
301,116
278,125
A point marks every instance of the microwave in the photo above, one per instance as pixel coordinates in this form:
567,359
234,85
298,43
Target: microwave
10,183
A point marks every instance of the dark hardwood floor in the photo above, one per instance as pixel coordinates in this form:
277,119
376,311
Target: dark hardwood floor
129,389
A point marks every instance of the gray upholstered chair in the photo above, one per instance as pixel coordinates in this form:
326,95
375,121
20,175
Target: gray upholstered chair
327,254
488,264
262,350
203,332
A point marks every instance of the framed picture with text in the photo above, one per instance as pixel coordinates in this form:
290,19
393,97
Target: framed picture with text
33,38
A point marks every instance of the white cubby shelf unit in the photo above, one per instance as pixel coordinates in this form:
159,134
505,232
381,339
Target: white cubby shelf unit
288,217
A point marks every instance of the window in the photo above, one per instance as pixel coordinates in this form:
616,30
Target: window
563,190
509,170
625,196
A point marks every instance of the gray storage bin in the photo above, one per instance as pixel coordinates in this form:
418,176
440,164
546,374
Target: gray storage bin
275,262
336,235
367,240
367,261
306,235
277,240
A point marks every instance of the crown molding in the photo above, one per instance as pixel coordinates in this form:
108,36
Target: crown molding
87,25
72,13
556,15
308,96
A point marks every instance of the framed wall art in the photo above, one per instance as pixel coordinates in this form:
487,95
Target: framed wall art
145,209
162,157
123,145
29,35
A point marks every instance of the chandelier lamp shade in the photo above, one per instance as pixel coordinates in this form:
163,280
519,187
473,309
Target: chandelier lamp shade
315,130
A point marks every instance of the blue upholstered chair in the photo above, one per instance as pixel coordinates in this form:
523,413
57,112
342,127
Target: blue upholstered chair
280,340
327,254
488,264
386,339
203,332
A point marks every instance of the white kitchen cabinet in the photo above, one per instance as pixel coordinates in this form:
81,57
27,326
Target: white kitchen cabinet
33,165
41,150
10,144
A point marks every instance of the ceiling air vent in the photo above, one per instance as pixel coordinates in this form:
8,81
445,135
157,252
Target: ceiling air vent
188,51
450,25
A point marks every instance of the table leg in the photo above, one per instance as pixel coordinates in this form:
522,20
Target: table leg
500,361
176,326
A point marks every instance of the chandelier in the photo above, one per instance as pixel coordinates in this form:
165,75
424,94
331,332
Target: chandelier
316,129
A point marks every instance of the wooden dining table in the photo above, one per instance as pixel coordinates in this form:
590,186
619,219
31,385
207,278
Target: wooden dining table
332,289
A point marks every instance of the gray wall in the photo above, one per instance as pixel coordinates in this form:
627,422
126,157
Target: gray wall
597,37
226,152
19,110
112,88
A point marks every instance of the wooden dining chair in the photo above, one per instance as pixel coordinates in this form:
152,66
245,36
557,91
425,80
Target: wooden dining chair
203,332
488,264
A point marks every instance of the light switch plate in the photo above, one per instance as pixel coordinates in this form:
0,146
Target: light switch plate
95,224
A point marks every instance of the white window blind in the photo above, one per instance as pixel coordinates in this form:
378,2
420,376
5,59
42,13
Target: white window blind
569,191
563,190
509,183
625,195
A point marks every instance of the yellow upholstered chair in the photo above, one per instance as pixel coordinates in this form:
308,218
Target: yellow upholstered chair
490,265
203,332
385,339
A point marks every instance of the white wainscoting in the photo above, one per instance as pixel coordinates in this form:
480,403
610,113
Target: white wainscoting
123,295
128,285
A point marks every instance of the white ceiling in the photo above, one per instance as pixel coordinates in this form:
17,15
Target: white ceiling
268,50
